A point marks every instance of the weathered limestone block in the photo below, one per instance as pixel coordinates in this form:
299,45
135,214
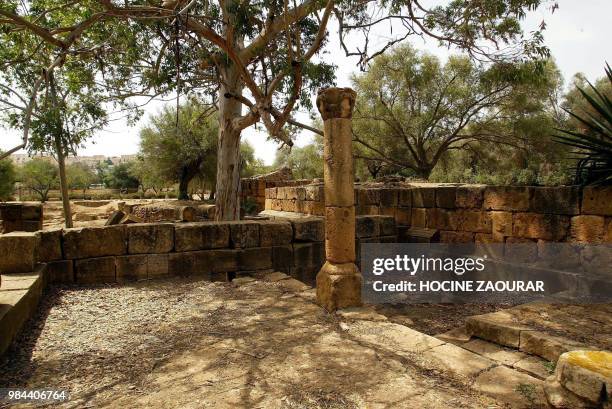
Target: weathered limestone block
456,237
521,250
597,200
198,236
224,260
270,193
446,197
556,200
470,197
512,198
164,212
244,233
561,398
314,208
157,265
87,242
338,163
150,238
441,219
291,193
419,217
190,263
340,234
501,225
282,258
387,226
275,233
389,197
540,226
369,197
131,268
424,197
308,229
607,236
338,286
18,252
471,220
588,374
255,258
288,206
281,193
49,245
95,270
405,197
60,272
315,193
587,229
403,216
367,227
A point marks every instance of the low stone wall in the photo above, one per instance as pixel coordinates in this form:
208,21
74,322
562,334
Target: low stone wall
211,250
474,213
20,216
254,189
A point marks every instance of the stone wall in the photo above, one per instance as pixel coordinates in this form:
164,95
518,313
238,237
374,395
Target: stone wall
474,213
20,216
211,250
253,190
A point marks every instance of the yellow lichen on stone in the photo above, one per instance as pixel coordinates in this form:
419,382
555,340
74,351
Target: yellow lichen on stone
595,361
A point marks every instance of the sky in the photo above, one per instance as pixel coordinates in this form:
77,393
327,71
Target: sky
578,35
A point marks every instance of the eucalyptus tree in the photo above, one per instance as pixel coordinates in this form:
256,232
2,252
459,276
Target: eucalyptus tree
413,109
256,55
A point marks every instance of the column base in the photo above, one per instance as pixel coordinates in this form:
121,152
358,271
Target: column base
338,286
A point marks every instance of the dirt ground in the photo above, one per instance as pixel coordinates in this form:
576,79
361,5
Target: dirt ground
192,344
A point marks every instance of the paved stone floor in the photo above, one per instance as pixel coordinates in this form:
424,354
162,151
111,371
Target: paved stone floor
180,343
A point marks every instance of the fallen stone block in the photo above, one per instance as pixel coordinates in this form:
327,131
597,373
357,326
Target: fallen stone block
49,245
115,218
587,374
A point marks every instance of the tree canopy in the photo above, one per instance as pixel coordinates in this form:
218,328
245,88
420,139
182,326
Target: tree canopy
7,179
39,175
412,109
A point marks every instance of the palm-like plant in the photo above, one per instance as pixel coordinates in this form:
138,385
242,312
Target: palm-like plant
593,146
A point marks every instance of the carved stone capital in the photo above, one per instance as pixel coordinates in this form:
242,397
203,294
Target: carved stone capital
336,102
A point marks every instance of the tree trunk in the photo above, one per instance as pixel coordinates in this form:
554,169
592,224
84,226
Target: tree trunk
188,172
227,198
213,189
59,150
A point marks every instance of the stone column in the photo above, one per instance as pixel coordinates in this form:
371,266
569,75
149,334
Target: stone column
339,281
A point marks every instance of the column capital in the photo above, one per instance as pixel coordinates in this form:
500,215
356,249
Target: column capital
336,102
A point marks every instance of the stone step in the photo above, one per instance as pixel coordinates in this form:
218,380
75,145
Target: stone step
502,328
19,298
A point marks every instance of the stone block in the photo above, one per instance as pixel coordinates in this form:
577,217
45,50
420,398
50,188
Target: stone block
224,260
472,220
313,208
32,225
405,197
131,268
510,198
282,258
587,229
18,252
521,250
301,193
387,226
157,265
303,254
544,345
88,242
470,197
244,234
389,197
288,206
188,237
32,211
198,263
315,193
95,270
419,217
270,193
369,196
456,237
256,258
540,226
517,389
150,238
366,226
441,219
499,327
403,216
587,374
275,233
607,236
597,200
49,245
60,272
446,197
424,197
501,225
556,200
217,235
11,211
308,229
